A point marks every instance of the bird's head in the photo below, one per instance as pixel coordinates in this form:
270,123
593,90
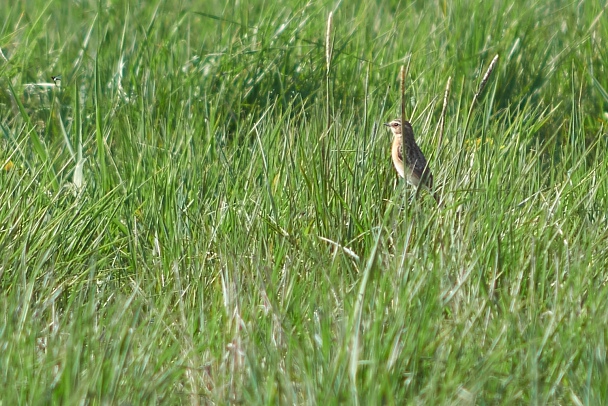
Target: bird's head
395,126
398,130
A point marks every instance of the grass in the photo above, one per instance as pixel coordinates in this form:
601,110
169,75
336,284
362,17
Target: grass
179,224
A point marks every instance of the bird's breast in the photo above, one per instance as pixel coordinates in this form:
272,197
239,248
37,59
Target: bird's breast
397,156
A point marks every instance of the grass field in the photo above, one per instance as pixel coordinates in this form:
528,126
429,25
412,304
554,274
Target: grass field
205,210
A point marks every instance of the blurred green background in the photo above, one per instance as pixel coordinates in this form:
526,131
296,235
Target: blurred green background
204,210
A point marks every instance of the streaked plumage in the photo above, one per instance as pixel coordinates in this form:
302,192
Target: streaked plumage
414,167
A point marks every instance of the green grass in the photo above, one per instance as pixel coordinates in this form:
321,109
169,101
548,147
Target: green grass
178,224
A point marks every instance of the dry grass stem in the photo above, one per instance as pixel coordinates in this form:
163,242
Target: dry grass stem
328,47
444,109
480,89
402,81
484,81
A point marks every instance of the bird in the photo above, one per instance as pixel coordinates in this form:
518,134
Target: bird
408,159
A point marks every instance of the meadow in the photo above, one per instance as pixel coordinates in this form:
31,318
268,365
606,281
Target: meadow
203,210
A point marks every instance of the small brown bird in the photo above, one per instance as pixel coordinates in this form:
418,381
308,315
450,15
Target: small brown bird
414,167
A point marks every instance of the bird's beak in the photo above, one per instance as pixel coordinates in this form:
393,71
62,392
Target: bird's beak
387,124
